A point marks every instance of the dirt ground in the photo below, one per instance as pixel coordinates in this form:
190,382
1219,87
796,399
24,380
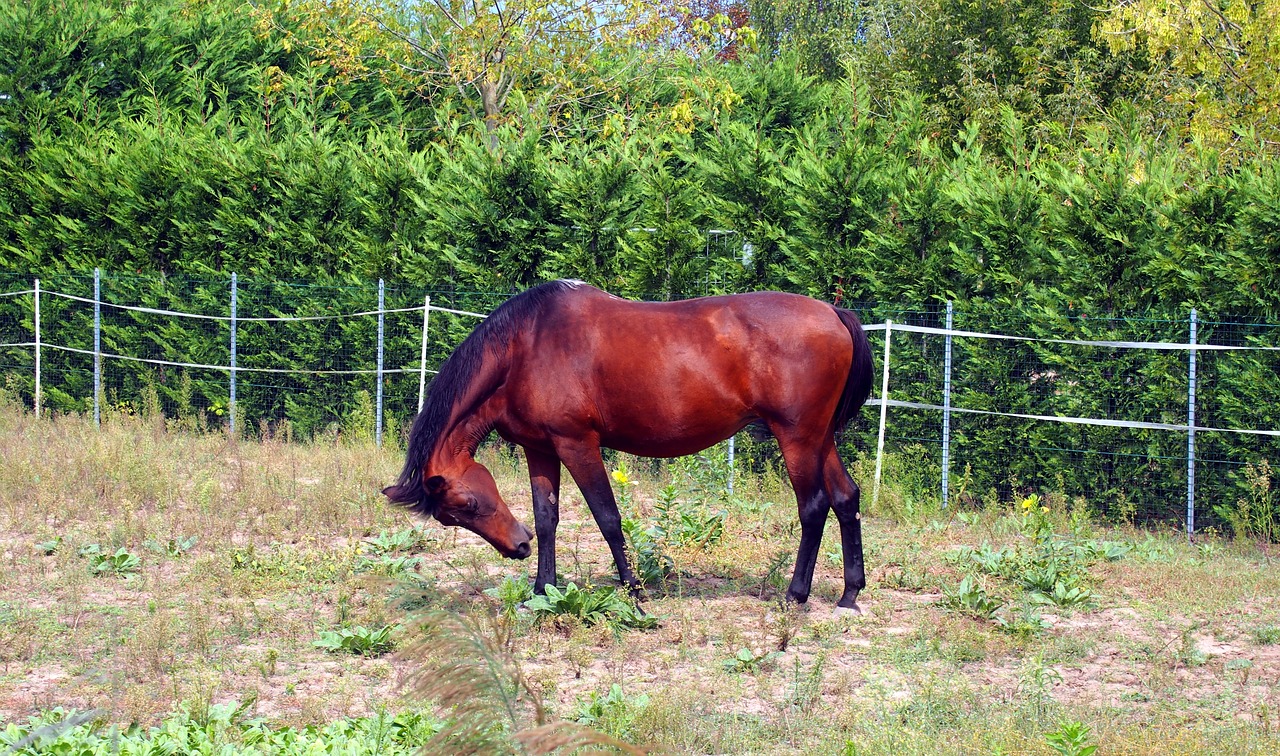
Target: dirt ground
1178,652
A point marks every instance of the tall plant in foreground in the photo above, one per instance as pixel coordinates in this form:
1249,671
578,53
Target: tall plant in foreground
465,666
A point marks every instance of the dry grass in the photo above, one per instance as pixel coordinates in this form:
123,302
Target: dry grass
1168,662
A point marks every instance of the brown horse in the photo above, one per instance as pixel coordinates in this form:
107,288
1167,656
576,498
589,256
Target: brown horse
565,369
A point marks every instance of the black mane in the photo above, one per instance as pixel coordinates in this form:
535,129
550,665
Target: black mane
451,383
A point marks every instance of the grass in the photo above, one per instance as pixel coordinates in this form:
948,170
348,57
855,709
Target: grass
247,553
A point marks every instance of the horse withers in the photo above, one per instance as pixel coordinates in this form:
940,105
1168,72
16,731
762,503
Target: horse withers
564,369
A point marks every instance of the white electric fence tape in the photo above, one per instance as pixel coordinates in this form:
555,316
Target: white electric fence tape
1156,345
1148,345
1075,420
277,319
225,368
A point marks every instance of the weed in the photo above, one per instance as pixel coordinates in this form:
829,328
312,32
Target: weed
1068,594
215,729
388,565
1071,739
774,573
806,686
1243,666
613,713
358,640
1024,622
687,522
288,562
989,560
173,547
121,562
387,542
906,577
1207,550
1036,686
1110,551
652,565
1266,635
624,482
50,547
511,593
1256,515
971,598
591,606
706,474
267,666
1153,550
1188,654
747,660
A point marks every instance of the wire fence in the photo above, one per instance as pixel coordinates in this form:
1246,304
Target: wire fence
1150,418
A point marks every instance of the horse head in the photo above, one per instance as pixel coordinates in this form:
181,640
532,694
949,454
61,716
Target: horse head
471,500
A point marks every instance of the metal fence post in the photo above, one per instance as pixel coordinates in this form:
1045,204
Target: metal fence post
35,310
731,438
231,407
97,347
377,434
1191,432
884,409
946,411
422,371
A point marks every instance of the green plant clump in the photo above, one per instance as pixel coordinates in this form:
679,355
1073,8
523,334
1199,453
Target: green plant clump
121,562
222,729
614,713
358,640
591,606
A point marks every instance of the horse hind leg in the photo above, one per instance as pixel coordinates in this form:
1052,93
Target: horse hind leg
804,468
846,502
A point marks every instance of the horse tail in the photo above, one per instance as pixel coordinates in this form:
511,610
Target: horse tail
408,491
857,386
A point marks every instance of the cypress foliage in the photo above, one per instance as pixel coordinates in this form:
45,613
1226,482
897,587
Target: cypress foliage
172,143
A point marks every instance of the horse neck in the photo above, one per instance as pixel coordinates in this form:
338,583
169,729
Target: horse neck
472,420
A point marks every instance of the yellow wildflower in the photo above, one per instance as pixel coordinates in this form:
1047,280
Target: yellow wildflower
621,477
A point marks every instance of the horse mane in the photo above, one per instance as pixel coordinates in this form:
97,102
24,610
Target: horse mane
456,375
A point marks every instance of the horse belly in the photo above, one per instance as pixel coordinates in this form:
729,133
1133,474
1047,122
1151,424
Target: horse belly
673,408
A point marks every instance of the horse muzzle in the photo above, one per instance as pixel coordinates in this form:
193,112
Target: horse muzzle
523,546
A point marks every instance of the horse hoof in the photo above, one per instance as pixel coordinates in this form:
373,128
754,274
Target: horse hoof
848,611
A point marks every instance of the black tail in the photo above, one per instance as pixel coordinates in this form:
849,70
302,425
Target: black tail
857,386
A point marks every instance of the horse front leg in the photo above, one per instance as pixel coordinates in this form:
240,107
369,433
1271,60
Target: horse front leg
586,466
544,480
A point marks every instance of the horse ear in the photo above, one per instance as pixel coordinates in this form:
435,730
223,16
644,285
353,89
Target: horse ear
434,486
